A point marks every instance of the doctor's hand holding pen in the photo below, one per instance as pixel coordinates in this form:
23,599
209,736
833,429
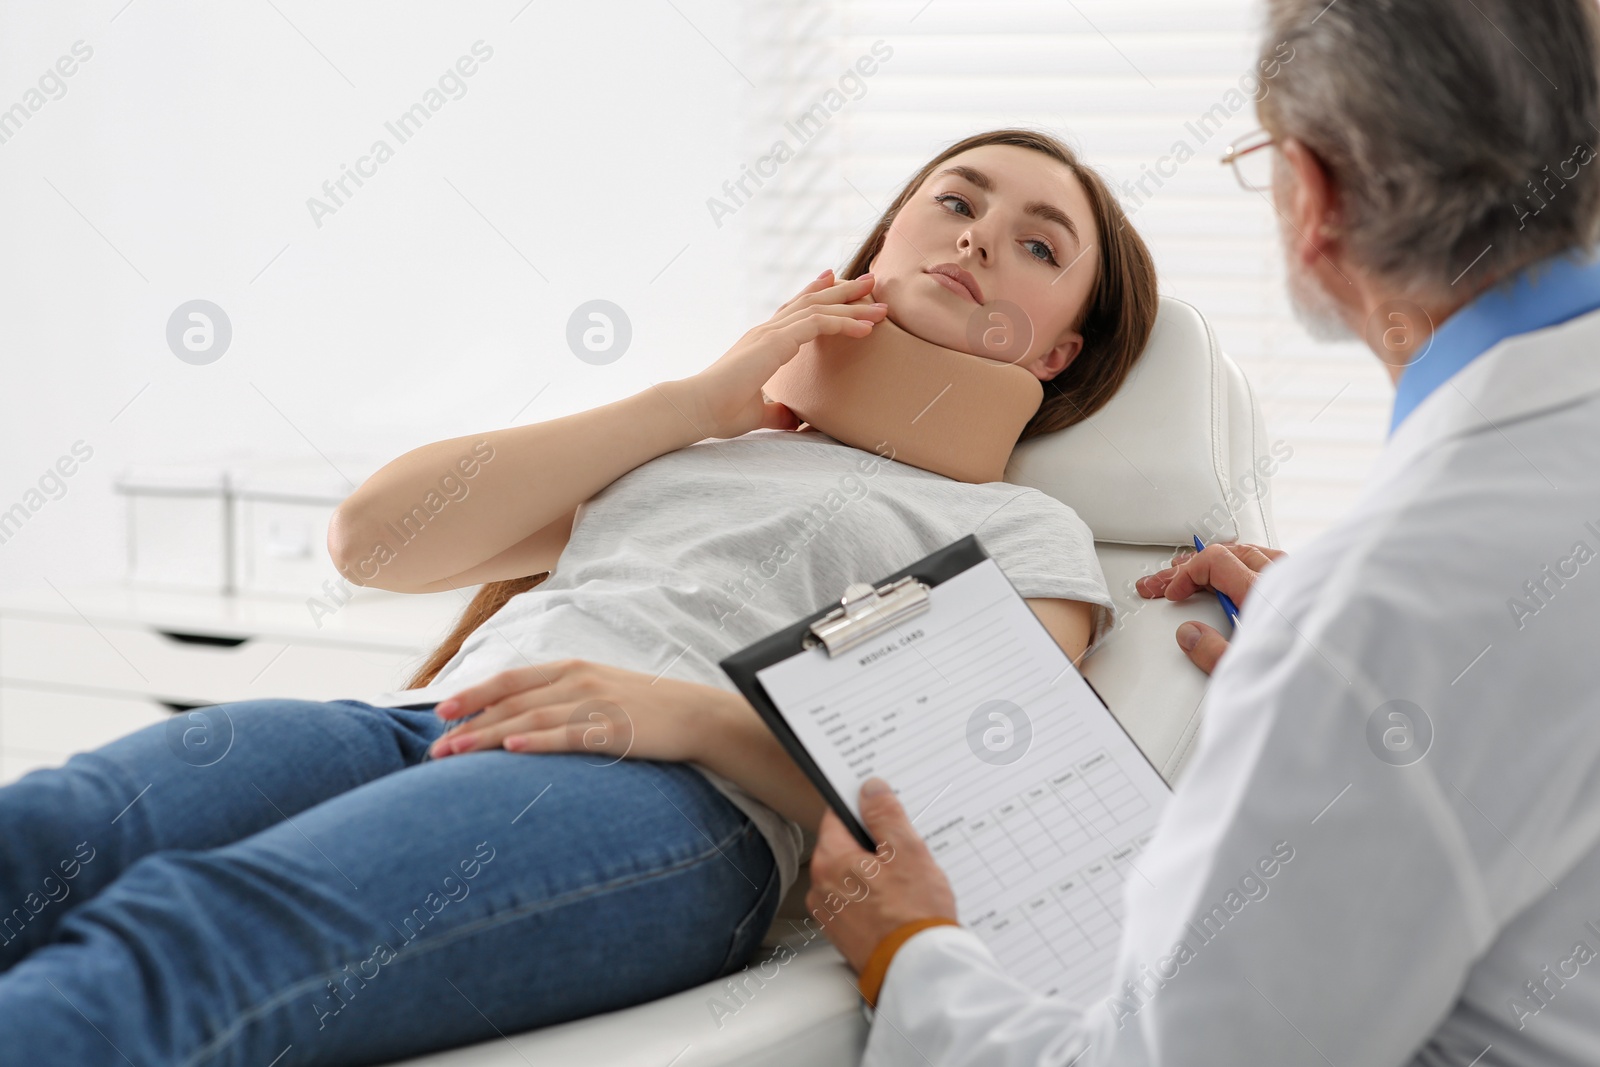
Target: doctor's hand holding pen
1228,569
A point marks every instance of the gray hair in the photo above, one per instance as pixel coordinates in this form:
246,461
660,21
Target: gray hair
1448,127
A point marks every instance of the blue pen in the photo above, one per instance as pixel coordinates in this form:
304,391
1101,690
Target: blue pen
1229,608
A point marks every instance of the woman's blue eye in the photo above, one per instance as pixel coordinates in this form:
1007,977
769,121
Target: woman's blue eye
1047,256
951,196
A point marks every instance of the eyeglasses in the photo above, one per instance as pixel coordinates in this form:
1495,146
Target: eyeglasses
1250,165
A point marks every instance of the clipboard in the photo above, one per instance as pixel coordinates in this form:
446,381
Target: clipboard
1028,792
863,612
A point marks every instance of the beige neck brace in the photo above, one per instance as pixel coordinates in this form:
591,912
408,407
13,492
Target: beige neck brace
910,400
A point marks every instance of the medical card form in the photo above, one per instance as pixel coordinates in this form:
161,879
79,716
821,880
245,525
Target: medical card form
1032,797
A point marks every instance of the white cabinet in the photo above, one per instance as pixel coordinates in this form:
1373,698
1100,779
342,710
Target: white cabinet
86,666
248,527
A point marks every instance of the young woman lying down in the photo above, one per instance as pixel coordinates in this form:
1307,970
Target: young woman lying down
359,881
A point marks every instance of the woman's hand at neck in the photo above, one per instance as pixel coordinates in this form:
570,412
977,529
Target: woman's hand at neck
725,399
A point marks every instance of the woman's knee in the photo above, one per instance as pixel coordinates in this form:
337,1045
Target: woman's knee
207,735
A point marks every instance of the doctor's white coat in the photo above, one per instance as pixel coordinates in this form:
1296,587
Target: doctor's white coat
1386,847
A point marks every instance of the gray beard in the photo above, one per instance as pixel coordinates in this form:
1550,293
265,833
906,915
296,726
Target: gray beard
1313,308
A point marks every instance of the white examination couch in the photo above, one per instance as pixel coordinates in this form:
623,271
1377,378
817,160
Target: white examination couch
1180,448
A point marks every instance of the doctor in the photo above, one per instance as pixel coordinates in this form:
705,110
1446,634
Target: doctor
1386,848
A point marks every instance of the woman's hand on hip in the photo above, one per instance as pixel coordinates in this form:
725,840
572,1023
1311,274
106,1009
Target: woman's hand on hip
727,394
1229,568
576,705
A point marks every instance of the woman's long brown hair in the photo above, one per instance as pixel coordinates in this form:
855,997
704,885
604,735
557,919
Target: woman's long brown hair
490,598
1116,323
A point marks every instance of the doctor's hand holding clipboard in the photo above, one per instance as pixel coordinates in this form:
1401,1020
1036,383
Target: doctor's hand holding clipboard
1229,570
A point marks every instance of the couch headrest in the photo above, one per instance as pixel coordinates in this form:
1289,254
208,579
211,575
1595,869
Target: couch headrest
1165,456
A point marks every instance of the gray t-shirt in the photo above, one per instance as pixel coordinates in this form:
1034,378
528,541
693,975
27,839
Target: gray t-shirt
702,551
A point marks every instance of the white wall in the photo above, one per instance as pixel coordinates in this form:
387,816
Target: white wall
178,163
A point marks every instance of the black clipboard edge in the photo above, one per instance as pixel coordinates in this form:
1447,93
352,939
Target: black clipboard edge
741,668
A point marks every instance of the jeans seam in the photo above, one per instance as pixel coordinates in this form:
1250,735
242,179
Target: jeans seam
743,925
286,994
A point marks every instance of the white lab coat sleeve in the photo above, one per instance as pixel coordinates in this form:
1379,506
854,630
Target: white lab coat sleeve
951,1003
1302,901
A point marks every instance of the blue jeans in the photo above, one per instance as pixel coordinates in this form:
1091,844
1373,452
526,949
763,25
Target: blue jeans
290,882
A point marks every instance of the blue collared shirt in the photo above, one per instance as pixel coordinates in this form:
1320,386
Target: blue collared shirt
1543,294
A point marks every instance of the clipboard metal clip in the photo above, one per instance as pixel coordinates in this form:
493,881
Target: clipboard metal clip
864,612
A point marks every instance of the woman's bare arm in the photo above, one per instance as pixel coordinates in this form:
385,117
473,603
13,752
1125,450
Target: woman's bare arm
526,478
534,554
1070,622
452,508
739,746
